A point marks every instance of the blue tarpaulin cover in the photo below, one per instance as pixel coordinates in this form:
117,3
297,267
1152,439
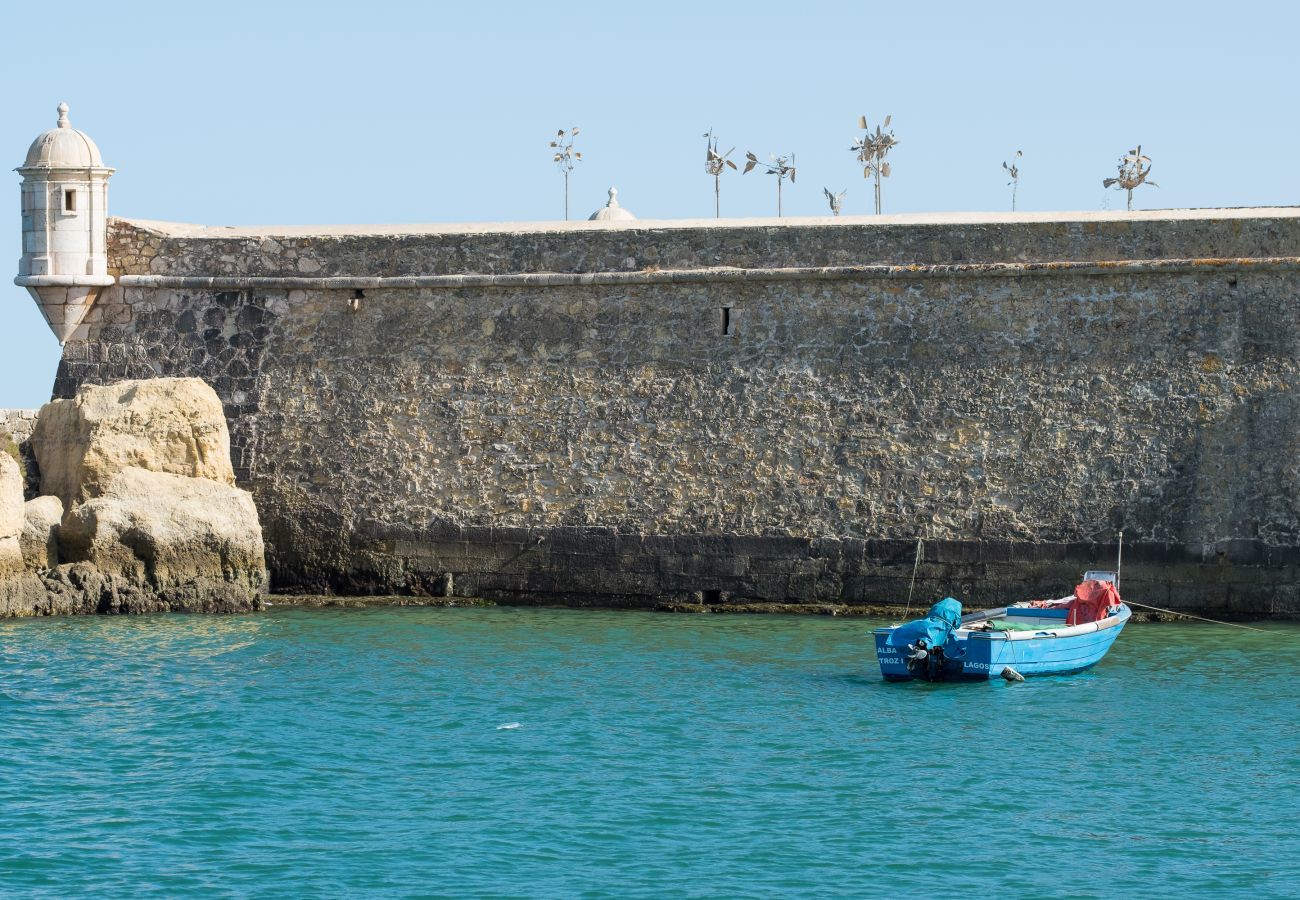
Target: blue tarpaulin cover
936,628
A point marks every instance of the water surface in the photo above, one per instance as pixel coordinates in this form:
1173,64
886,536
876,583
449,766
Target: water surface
560,753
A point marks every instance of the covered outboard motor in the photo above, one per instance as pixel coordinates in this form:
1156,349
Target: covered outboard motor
927,644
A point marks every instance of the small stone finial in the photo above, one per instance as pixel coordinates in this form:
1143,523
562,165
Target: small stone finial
611,211
63,116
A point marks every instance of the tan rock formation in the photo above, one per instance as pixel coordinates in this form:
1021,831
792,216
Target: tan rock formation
154,522
40,537
171,425
11,516
193,541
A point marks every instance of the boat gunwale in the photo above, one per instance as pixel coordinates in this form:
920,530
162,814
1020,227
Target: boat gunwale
965,633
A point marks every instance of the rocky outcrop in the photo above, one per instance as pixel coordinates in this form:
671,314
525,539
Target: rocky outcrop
191,540
11,516
82,589
40,536
173,425
15,440
20,591
139,513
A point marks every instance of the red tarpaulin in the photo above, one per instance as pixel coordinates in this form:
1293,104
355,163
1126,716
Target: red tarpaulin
1092,600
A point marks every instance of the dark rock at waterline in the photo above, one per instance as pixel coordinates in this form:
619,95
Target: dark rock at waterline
82,589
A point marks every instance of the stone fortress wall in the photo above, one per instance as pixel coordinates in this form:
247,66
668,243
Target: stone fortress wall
653,412
18,423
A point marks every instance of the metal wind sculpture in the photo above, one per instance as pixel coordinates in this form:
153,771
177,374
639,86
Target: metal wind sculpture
1014,171
1132,174
872,150
715,164
835,200
780,166
565,159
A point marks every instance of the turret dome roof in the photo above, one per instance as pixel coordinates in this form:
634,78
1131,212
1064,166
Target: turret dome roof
611,211
63,147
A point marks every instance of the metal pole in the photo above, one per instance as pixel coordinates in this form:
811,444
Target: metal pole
1119,560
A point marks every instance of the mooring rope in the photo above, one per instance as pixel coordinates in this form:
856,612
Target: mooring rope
1174,612
916,565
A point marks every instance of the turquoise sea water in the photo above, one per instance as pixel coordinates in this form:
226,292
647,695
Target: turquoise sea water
464,752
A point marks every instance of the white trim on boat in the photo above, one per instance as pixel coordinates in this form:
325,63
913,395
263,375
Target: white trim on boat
1086,628
1042,634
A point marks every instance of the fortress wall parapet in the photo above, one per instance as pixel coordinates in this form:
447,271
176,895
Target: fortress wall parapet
668,412
18,423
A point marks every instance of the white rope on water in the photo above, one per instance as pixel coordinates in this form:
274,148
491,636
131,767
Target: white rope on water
1119,566
1174,612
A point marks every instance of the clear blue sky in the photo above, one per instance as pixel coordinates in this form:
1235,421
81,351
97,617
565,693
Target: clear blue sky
251,113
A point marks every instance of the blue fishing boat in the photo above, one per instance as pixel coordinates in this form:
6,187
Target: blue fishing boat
1037,637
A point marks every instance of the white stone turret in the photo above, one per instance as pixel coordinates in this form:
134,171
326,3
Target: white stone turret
65,208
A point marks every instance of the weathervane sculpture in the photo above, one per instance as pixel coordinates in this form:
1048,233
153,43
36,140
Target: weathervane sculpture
715,164
565,159
872,150
780,166
835,200
1014,171
1131,173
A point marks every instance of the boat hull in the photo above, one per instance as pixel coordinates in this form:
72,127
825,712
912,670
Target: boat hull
981,655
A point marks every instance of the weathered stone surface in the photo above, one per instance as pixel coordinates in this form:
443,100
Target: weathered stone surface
40,537
147,540
11,497
173,425
192,541
11,557
81,589
18,423
11,516
16,427
610,444
21,592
